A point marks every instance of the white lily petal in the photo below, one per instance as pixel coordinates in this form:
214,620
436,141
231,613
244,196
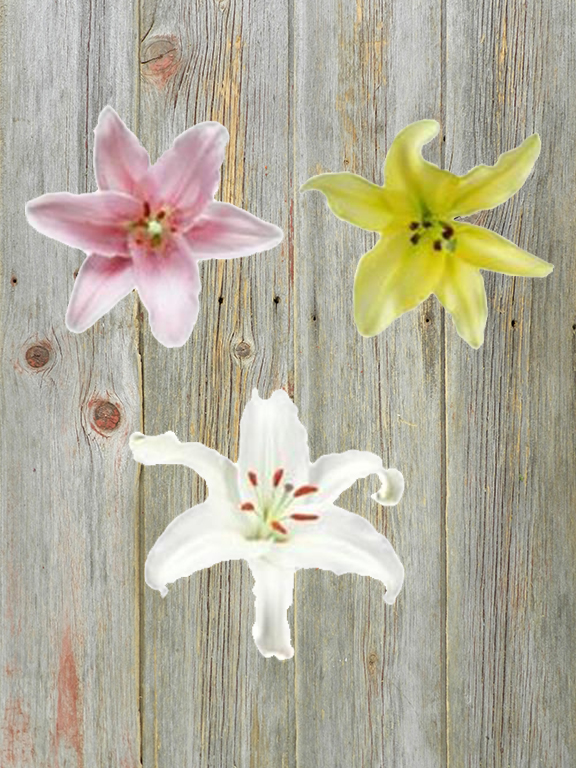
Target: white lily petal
336,472
274,590
343,542
272,437
219,472
198,538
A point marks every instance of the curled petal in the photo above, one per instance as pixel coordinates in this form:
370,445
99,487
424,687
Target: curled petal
353,199
274,590
488,186
408,173
336,472
219,472
120,161
187,176
391,279
461,291
96,222
484,249
196,539
226,232
169,286
101,282
343,542
272,437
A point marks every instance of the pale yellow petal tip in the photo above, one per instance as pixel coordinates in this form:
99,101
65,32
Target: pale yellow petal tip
426,129
312,183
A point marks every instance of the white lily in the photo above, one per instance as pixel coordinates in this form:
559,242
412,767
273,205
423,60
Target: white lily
274,509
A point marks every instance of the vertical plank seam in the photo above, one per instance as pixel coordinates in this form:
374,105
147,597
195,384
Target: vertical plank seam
140,528
291,152
443,416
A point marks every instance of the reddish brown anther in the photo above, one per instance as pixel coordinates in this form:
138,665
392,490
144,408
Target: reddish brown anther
304,490
247,506
301,517
146,209
253,477
278,475
278,527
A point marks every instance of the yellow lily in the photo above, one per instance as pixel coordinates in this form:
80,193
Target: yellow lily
422,249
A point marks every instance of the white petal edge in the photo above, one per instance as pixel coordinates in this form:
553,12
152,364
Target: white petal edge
219,472
274,591
343,542
272,437
198,538
335,472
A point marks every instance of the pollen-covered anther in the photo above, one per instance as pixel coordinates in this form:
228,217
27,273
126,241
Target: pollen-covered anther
278,475
414,225
437,245
447,232
278,527
247,506
414,239
301,517
253,478
304,490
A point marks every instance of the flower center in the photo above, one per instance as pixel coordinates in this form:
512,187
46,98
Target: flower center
152,229
437,235
274,509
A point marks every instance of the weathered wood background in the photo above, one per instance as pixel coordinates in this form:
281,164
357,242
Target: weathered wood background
476,663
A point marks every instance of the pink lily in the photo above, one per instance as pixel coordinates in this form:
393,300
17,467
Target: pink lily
148,226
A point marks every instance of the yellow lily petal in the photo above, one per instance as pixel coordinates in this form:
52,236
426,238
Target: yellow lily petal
391,279
487,250
461,291
488,186
353,199
406,171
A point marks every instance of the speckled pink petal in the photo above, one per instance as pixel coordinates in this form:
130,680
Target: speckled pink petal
101,283
226,232
169,286
187,176
120,161
95,222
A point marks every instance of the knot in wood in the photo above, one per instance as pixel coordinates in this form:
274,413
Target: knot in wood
106,416
37,356
243,350
372,662
160,59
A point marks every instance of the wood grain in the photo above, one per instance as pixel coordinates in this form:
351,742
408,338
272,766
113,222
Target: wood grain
474,667
209,698
370,678
69,641
511,406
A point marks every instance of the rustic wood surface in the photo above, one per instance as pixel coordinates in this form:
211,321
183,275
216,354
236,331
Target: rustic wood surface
475,665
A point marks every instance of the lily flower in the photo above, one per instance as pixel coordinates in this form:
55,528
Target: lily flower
422,249
274,509
148,226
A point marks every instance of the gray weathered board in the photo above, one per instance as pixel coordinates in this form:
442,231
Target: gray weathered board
475,665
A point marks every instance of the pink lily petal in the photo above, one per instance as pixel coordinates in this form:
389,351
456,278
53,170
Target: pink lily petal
95,222
101,283
187,176
227,232
120,161
169,286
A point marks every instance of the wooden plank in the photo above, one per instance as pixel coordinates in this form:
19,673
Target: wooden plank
69,645
512,405
370,678
209,698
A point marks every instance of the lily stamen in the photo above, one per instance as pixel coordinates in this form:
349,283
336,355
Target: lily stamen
304,490
278,527
301,517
